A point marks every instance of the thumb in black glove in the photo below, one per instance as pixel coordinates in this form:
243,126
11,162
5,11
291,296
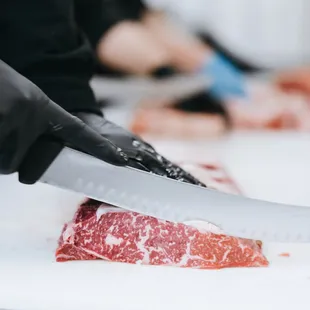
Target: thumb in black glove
27,114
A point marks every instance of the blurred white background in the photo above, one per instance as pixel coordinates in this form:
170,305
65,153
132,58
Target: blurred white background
268,33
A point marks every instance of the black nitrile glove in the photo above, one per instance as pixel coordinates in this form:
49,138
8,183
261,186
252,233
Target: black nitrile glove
28,118
140,154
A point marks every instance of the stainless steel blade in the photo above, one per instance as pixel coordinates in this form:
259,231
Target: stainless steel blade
177,201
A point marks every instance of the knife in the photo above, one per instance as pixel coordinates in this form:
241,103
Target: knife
176,201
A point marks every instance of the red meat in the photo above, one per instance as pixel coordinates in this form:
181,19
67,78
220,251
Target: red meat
101,231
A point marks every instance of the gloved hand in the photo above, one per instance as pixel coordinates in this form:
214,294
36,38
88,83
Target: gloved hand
140,154
27,114
226,80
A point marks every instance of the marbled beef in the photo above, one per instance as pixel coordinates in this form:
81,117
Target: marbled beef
101,231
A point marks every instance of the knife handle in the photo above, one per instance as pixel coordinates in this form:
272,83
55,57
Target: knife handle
39,157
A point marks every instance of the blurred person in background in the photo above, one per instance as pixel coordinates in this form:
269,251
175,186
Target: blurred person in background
144,41
46,65
265,34
258,36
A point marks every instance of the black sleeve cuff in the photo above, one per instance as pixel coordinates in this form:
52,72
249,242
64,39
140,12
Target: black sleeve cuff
73,95
96,17
204,102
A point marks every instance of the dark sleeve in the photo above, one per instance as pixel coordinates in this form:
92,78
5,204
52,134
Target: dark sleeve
241,64
96,17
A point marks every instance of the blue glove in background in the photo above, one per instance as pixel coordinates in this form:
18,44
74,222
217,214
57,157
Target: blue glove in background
226,80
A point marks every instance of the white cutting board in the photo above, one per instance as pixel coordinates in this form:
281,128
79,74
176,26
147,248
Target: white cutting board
31,220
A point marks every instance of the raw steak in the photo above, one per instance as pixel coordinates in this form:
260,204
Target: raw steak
101,231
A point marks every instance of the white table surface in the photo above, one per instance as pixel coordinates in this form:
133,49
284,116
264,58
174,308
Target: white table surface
269,166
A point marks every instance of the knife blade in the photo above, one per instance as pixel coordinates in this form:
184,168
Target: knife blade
176,201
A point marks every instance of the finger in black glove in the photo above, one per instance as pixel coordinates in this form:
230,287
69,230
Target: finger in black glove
141,155
27,114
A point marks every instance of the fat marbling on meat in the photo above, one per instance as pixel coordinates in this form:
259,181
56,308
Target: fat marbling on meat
101,231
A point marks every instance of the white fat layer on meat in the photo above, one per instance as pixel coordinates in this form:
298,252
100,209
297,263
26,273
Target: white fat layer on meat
104,210
226,254
111,240
68,233
95,254
65,257
204,227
